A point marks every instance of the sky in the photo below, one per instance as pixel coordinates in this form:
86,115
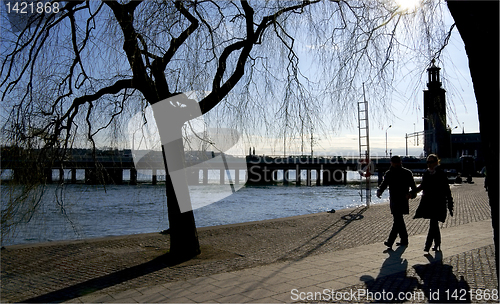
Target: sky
406,117
407,106
408,114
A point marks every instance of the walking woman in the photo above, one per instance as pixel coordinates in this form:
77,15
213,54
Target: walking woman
436,198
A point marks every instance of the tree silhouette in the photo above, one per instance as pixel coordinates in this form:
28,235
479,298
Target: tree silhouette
73,74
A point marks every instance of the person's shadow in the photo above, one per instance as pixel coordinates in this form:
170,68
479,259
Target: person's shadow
440,285
391,281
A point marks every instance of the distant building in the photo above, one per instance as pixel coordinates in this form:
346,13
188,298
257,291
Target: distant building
466,144
438,138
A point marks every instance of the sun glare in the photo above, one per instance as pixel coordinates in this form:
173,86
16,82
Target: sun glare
408,5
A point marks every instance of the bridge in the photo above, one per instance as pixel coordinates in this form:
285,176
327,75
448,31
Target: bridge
108,166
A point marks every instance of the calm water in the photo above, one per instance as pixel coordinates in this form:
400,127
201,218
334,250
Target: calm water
82,211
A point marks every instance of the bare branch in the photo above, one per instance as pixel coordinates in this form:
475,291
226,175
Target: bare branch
220,91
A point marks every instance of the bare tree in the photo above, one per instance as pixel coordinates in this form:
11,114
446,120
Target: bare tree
72,74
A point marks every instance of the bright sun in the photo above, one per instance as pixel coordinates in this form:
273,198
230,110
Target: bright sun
408,5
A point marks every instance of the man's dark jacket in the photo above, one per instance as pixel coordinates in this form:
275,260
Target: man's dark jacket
399,180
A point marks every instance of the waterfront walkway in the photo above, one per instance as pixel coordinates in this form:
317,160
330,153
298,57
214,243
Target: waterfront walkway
325,257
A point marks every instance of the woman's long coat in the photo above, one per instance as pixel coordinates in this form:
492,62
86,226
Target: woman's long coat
436,197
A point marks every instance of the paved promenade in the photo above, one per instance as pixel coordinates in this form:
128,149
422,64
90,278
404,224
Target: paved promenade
326,257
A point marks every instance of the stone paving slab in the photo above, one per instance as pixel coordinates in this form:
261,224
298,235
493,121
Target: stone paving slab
366,264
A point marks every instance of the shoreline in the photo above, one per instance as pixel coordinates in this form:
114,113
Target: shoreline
142,214
199,229
152,234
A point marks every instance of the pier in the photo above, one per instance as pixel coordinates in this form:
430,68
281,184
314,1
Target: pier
109,166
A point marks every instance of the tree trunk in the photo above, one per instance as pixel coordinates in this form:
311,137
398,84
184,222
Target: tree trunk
170,119
183,234
477,22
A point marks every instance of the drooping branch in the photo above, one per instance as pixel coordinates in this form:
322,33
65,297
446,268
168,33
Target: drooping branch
34,42
158,66
219,88
73,110
125,16
445,42
175,43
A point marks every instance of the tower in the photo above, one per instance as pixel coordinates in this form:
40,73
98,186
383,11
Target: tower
437,138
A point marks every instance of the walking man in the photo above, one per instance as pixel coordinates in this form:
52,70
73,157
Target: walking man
399,180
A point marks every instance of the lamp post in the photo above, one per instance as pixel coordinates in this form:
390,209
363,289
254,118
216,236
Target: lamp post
406,139
451,141
386,140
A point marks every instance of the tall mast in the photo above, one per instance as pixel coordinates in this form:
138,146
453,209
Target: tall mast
364,146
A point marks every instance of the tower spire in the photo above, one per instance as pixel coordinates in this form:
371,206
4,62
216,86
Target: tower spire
437,136
433,72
